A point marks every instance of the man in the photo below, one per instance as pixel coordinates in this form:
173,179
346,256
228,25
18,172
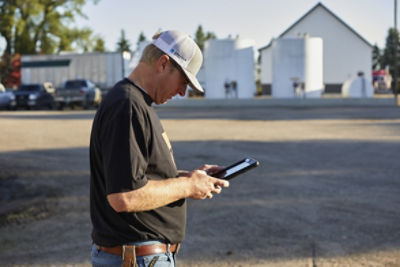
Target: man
137,196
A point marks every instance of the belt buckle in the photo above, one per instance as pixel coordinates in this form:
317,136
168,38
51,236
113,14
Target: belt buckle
129,262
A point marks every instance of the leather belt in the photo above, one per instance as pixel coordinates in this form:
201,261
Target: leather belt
143,250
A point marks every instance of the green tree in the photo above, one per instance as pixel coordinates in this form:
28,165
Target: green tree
141,38
38,26
201,37
376,58
75,40
7,20
123,43
41,26
99,45
391,52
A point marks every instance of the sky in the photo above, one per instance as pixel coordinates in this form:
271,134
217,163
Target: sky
257,20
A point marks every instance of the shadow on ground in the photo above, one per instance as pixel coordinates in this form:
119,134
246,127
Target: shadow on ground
306,199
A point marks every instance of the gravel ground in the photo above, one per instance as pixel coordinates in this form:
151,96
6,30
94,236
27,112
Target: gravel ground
326,193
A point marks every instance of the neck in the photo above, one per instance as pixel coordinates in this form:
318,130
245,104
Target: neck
141,77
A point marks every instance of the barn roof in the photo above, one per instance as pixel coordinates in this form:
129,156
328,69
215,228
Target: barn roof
308,13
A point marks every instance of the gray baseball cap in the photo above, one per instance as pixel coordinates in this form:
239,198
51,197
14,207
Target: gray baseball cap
184,51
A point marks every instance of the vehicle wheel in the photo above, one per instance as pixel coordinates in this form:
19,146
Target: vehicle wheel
86,104
51,106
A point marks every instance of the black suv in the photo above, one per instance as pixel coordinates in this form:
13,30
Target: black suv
32,96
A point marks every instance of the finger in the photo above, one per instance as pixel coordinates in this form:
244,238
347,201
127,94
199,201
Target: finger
218,168
214,169
222,183
201,172
217,189
209,168
202,168
205,167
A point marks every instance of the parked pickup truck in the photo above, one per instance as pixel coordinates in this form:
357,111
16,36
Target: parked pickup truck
80,92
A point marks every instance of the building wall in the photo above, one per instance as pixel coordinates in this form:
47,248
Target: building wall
344,53
228,60
104,69
297,67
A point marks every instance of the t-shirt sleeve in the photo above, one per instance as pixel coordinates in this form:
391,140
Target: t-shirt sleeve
124,149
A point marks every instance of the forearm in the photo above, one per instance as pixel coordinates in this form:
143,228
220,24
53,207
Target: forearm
153,195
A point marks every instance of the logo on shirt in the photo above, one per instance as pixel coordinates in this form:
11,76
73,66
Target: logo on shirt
168,143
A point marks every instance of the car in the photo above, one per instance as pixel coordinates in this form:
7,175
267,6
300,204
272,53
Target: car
35,95
78,92
7,98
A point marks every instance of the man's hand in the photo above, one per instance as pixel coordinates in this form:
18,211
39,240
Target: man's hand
210,169
203,185
197,185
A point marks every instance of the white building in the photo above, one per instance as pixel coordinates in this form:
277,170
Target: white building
104,69
345,52
228,68
358,87
297,67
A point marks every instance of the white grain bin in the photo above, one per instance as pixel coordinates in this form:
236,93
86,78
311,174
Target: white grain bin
359,87
297,67
229,68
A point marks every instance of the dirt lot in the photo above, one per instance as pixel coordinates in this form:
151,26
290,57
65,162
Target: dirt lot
327,192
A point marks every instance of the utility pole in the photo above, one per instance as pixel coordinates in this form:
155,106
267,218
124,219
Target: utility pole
396,44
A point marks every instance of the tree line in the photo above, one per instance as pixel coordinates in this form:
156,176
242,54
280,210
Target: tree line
47,27
385,58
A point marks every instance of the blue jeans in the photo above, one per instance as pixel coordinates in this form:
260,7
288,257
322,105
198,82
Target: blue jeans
104,259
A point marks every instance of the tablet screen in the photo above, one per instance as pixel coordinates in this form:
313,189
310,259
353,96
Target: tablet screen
236,168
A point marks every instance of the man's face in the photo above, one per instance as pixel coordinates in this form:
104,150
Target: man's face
173,82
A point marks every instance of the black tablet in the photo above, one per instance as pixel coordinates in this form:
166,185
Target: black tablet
236,169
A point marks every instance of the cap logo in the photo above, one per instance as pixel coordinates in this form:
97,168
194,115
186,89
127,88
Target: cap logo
179,56
181,48
176,53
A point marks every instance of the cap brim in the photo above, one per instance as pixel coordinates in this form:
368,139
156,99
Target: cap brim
194,83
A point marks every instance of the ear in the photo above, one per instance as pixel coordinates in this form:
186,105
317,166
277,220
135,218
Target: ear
162,63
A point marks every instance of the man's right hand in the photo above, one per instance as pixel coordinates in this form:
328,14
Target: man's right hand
204,186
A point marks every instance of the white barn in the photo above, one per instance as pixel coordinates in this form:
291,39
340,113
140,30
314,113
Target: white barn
345,52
